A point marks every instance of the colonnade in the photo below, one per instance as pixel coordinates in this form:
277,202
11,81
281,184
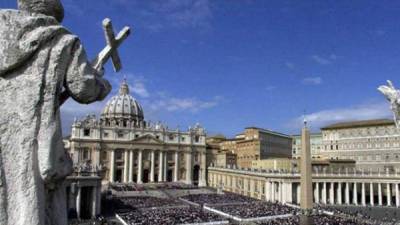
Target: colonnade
285,187
358,193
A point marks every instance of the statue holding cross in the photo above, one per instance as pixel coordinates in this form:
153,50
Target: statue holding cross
41,65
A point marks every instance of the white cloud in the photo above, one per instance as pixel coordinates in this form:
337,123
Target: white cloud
312,81
324,60
172,104
270,88
375,110
140,89
177,14
289,65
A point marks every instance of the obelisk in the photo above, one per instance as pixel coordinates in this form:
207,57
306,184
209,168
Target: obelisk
306,197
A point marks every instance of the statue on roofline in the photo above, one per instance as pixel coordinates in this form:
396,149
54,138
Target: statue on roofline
393,96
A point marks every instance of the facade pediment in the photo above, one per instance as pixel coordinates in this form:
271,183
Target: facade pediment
147,139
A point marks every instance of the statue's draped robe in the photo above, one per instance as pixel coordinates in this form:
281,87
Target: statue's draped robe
39,59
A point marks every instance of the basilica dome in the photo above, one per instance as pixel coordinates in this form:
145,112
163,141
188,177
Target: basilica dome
122,108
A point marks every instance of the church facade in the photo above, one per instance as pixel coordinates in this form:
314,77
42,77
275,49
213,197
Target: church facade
125,148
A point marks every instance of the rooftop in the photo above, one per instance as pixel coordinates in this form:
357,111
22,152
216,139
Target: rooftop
361,123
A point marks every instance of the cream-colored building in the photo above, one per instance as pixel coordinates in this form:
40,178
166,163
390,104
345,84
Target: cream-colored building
372,144
257,143
126,148
315,142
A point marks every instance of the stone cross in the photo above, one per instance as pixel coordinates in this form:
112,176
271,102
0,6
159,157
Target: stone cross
111,50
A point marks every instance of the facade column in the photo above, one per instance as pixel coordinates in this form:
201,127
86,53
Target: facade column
279,192
160,166
126,165
165,169
203,170
96,157
380,194
332,193
347,194
371,194
140,167
131,165
324,193
317,192
397,195
78,202
152,165
176,167
339,193
355,199
388,194
189,168
363,200
112,166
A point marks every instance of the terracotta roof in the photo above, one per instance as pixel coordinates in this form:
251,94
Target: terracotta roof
361,123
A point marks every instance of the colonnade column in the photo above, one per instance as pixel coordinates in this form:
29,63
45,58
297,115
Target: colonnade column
131,165
189,167
298,189
140,166
95,201
152,165
317,193
380,194
160,166
371,194
355,200
78,202
339,193
363,200
267,191
252,184
324,193
388,195
112,166
347,193
289,195
397,195
126,165
176,167
332,193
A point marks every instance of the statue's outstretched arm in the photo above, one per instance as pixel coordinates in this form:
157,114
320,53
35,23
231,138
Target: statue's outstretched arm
82,82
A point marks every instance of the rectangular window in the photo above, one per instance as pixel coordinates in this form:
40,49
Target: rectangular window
120,135
86,132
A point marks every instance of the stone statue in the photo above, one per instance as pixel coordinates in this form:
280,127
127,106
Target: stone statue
393,96
41,65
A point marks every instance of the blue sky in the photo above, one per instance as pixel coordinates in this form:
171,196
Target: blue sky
237,63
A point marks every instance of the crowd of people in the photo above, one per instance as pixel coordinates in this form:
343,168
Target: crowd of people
140,202
169,216
365,213
223,198
317,220
256,209
125,187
